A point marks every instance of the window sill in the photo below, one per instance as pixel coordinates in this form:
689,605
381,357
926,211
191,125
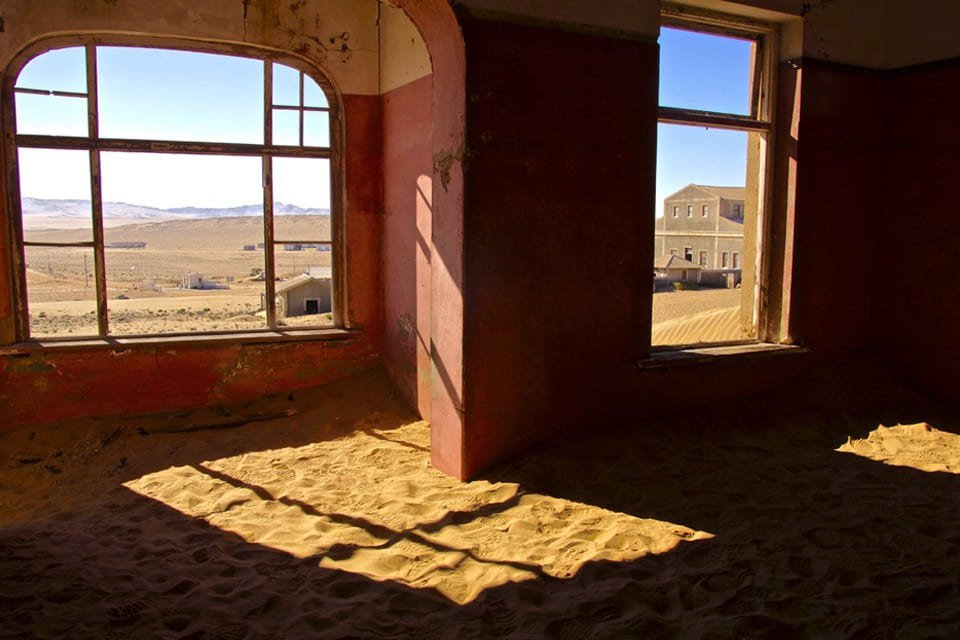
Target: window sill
226,339
692,355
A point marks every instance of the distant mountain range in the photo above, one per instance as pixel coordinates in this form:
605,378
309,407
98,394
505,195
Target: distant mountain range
37,209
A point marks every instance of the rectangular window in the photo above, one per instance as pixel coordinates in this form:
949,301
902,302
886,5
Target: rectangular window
676,210
710,132
673,252
159,188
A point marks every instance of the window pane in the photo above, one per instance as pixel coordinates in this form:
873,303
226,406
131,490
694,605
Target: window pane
316,129
57,70
286,86
162,94
51,115
61,292
301,196
705,71
313,95
183,260
55,195
286,127
696,297
304,287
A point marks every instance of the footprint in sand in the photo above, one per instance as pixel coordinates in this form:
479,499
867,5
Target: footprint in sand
571,629
127,612
498,619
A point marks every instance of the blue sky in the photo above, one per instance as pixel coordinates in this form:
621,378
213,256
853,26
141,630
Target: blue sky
711,73
148,93
175,95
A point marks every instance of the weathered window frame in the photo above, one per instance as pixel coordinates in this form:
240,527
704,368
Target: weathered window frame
759,121
94,144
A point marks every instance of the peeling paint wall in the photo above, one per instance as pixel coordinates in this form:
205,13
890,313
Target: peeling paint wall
338,35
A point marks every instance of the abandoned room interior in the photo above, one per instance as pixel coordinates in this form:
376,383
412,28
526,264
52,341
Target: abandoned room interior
383,319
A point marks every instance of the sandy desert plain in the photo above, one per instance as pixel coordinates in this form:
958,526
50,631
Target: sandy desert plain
62,298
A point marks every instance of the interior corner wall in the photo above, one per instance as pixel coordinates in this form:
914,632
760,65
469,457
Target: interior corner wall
406,96
559,187
915,286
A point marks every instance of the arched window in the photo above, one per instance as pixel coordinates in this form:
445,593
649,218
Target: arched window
172,191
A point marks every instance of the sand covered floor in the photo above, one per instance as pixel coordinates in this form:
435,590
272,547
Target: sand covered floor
829,511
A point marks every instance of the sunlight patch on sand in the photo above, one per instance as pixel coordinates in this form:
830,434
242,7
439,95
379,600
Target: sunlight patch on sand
919,446
369,503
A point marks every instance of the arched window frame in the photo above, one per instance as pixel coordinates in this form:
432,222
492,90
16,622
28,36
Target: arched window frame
12,141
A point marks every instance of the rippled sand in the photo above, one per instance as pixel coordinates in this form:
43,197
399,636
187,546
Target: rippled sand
804,517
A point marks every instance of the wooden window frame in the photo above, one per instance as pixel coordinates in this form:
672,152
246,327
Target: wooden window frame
94,144
758,121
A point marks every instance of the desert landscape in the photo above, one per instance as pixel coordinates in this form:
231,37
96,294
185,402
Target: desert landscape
685,317
318,515
144,283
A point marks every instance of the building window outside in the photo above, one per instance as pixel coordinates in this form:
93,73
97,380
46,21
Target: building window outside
736,260
673,252
703,258
676,211
689,210
723,260
705,211
688,254
250,171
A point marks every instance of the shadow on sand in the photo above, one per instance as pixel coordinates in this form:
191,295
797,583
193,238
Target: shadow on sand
808,541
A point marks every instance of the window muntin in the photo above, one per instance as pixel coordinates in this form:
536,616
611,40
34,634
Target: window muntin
110,261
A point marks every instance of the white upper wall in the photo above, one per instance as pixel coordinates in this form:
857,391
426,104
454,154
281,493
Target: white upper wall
340,36
404,57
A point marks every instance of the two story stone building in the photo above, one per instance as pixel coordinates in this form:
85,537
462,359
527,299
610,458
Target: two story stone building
704,225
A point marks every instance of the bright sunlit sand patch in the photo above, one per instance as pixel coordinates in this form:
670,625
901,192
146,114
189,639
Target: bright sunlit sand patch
920,446
369,503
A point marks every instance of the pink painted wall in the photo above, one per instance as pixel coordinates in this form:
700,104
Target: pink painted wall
407,197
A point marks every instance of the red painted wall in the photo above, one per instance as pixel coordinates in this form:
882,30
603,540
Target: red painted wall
407,196
54,384
840,157
917,262
559,234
